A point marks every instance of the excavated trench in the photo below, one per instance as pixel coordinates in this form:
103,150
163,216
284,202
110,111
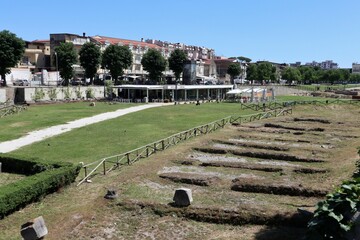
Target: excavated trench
261,155
239,216
193,178
253,145
252,185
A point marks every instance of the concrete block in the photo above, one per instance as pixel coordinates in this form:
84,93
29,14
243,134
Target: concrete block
35,229
182,197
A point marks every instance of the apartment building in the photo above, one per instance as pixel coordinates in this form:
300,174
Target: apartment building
355,68
328,64
36,56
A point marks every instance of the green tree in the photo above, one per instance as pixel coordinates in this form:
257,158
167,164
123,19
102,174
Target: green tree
234,70
354,78
265,71
154,63
176,62
66,57
12,49
308,74
244,59
291,74
252,73
116,59
90,59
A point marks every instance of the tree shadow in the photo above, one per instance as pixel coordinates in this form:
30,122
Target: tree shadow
281,233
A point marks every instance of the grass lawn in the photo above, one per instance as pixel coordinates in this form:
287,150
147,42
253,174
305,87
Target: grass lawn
301,98
41,116
128,132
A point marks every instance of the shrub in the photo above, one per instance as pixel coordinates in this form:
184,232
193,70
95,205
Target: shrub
38,95
67,93
89,93
78,92
334,217
52,93
47,178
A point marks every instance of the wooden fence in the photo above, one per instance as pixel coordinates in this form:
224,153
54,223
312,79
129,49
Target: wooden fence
107,164
280,105
11,109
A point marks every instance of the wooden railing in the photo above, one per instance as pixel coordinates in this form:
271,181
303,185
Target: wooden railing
107,164
11,109
280,105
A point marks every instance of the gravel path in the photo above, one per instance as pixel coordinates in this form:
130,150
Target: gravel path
39,135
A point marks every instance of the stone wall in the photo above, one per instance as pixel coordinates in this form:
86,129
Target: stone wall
32,94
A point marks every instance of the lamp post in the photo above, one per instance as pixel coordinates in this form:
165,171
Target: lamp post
57,69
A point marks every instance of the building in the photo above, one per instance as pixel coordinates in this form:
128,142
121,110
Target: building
326,65
36,56
355,68
193,52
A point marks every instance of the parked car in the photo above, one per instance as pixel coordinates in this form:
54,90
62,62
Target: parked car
21,82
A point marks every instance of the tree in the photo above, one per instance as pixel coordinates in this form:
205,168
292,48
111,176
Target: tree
154,63
12,49
265,71
66,57
116,58
244,59
90,59
354,78
176,62
291,74
308,74
252,73
234,70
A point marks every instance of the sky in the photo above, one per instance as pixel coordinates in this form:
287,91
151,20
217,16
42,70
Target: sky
283,31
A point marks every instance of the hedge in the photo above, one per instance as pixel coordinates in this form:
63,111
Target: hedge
50,177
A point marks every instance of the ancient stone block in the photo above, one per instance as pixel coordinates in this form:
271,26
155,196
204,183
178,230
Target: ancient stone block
34,229
182,197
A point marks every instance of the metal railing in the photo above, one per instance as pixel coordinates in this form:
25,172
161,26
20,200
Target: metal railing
109,163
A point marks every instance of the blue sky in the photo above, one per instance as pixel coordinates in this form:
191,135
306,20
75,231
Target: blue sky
274,30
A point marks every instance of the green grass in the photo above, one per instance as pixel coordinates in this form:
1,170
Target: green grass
300,98
41,116
6,178
128,132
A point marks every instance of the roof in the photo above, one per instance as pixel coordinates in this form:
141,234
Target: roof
174,87
111,40
41,41
246,90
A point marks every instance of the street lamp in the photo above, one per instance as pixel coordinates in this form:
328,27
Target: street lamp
57,69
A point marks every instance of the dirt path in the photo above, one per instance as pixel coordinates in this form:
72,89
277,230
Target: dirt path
39,135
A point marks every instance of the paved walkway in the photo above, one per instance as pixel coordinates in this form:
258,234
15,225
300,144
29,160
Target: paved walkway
39,135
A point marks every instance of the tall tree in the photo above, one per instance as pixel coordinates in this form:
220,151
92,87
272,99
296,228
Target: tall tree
265,71
308,74
116,58
176,62
12,49
154,63
244,59
90,59
291,74
252,73
234,70
66,57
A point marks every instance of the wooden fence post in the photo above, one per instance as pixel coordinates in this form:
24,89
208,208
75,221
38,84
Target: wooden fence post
128,158
85,168
162,145
104,167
